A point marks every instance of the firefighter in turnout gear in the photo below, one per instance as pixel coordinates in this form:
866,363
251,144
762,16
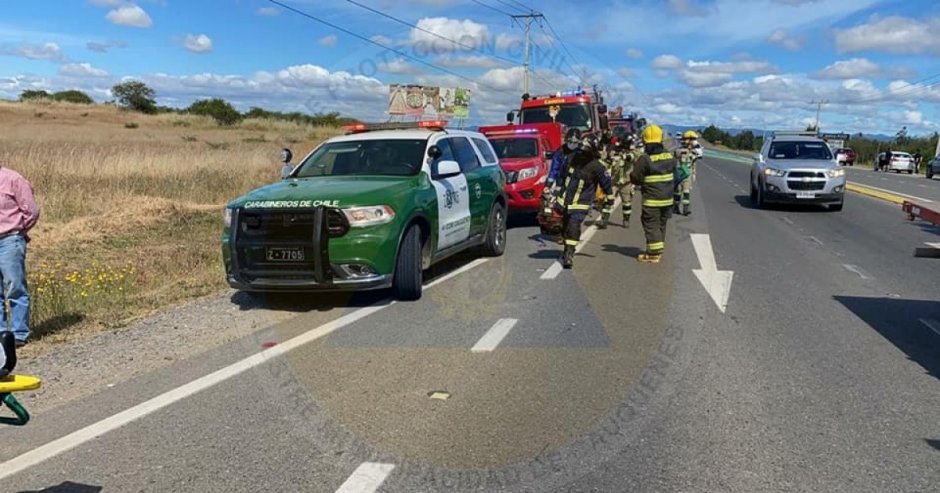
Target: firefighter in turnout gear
654,173
685,173
580,181
624,154
607,156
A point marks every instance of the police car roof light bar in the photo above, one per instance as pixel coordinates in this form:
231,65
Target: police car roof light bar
437,125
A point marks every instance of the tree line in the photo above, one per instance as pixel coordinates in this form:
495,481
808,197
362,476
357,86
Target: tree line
137,96
866,148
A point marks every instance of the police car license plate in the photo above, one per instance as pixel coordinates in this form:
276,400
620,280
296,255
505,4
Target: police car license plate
805,195
284,254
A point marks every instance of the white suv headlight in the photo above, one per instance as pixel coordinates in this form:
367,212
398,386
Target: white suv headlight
528,173
369,215
836,173
774,172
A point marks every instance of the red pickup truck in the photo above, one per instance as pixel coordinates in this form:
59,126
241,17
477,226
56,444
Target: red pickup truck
525,154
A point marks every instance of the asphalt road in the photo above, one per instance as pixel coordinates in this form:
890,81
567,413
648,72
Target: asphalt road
822,374
915,187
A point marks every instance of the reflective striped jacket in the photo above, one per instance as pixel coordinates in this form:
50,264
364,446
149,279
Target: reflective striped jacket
581,182
654,174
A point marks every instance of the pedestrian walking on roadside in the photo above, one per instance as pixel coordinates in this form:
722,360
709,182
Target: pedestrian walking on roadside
18,214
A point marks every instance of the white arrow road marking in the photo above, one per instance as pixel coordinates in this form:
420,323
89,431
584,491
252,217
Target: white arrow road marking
494,336
366,478
932,245
931,324
716,282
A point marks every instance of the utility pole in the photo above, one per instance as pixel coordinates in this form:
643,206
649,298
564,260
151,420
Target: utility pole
528,24
818,107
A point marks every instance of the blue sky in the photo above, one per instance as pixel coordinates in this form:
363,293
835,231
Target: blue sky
729,62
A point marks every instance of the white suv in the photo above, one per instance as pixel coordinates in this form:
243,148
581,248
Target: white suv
797,168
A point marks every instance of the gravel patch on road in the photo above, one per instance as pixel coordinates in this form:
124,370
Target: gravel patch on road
73,369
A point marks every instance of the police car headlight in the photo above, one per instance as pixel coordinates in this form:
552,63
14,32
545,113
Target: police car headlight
528,173
227,217
369,216
774,172
836,173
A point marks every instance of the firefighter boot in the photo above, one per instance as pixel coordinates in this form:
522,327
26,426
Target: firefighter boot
648,258
602,222
568,258
686,210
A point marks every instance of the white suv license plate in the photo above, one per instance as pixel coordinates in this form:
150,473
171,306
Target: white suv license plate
806,195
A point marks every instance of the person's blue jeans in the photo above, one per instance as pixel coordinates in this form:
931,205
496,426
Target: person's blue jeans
13,280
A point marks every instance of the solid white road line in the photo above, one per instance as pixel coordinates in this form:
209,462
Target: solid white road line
814,240
931,324
495,335
857,270
932,245
366,478
788,220
168,398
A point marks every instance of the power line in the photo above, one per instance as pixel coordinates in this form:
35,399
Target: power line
513,6
521,5
381,45
564,46
478,2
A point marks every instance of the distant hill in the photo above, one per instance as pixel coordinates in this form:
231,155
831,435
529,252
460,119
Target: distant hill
672,129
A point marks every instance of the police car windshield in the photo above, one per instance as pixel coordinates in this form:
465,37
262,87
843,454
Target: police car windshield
572,115
800,150
515,148
389,157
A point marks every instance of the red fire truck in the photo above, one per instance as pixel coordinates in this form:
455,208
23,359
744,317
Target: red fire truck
525,153
574,109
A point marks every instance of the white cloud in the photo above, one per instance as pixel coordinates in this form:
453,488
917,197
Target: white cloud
269,11
780,37
850,69
634,53
704,79
465,32
625,72
913,117
99,47
47,51
129,15
82,70
895,34
397,66
667,62
198,43
668,108
329,40
471,61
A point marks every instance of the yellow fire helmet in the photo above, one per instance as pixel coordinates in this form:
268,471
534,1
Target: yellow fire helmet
690,135
653,134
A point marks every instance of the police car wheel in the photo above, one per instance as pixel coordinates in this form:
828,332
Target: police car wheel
495,243
406,282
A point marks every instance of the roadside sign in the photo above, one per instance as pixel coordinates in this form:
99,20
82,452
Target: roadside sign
842,137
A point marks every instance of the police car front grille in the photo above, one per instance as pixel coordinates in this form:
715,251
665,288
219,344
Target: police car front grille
288,225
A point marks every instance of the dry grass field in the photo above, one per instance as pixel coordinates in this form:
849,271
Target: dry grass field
131,205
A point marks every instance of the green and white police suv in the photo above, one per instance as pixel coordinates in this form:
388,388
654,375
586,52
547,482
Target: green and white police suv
371,209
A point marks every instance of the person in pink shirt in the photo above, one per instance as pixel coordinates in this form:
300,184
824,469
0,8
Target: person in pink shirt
18,214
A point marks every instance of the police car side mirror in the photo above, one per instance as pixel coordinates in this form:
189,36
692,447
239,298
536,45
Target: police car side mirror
759,158
445,169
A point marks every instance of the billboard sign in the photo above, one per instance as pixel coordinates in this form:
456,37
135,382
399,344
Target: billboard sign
421,101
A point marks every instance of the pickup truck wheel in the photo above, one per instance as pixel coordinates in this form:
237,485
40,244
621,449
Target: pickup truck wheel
495,242
406,282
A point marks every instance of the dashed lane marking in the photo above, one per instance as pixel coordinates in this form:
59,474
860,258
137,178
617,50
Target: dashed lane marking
932,245
366,478
96,430
857,270
495,335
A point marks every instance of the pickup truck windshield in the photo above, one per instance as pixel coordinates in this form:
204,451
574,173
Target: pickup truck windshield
800,150
390,157
572,115
515,148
